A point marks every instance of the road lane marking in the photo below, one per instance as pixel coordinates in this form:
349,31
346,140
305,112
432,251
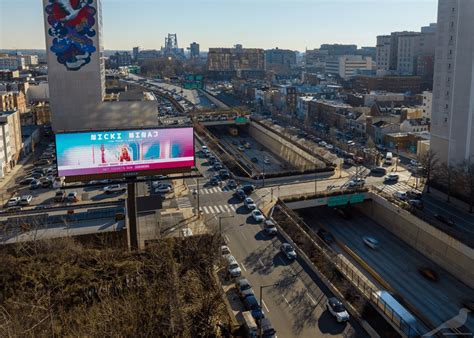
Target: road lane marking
268,311
287,302
243,236
311,298
222,208
260,261
243,266
205,210
227,240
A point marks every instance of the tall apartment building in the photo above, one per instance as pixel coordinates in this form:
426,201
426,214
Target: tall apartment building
452,128
281,61
76,72
407,53
30,60
383,52
9,62
194,50
135,52
346,66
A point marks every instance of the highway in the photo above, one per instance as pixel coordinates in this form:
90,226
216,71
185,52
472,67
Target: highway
397,263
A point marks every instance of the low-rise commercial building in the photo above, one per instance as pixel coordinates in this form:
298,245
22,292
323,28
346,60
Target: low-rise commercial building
346,66
415,125
389,83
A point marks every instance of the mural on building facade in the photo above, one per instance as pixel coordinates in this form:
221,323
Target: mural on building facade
71,26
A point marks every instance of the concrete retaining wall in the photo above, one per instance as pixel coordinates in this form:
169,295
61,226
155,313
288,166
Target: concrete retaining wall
449,253
278,145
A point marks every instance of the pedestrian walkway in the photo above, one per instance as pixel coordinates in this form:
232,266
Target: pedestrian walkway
217,209
184,202
391,188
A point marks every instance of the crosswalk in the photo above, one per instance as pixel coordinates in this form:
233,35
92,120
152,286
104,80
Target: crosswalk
184,202
361,171
217,209
391,188
213,190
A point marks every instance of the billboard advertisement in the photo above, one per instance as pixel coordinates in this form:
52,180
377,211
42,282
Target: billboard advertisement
116,153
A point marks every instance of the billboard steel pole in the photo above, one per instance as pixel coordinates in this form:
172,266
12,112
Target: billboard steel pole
132,216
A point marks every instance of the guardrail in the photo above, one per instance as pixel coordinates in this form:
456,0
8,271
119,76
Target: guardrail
353,275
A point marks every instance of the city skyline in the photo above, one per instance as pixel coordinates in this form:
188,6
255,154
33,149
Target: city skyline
265,24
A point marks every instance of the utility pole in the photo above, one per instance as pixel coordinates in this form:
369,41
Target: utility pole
396,161
263,174
261,305
198,207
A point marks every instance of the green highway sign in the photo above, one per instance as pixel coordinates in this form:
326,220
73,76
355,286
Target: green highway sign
242,120
335,201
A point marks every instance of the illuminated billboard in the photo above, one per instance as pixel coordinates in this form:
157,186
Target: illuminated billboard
119,153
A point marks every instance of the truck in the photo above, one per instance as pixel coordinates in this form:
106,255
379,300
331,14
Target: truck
388,158
250,327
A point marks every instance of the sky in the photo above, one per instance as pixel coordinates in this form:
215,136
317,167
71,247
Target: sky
289,24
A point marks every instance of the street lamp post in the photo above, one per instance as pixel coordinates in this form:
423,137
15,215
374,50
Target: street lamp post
263,174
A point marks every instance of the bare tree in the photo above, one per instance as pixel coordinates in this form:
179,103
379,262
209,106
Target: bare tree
430,162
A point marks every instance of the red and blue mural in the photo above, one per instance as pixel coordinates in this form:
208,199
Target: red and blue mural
71,26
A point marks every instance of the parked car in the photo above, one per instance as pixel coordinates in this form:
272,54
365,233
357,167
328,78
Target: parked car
164,188
214,180
326,236
391,178
13,201
59,196
211,159
356,183
401,195
254,160
251,304
27,180
378,171
217,166
266,161
249,203
244,288
72,197
288,251
415,203
224,174
26,199
225,250
258,216
240,194
232,184
186,232
337,309
269,227
35,184
233,268
445,220
414,194
114,188
371,242
241,148
248,188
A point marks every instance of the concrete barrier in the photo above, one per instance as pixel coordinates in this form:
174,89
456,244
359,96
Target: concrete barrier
449,253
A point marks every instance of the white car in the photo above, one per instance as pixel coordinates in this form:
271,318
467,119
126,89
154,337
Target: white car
329,146
356,182
225,250
114,188
13,201
26,199
250,204
288,251
164,188
186,232
241,148
269,227
322,143
371,242
391,177
266,161
72,197
336,308
401,195
258,216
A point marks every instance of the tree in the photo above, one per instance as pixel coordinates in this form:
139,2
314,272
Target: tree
467,182
430,162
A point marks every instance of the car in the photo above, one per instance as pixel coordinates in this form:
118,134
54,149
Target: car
13,201
232,184
288,251
414,163
240,194
114,188
233,268
249,203
415,203
326,236
36,175
329,146
72,197
59,196
225,250
15,208
356,182
348,161
186,232
251,304
217,166
244,288
248,188
371,242
337,309
414,194
444,220
266,161
164,188
391,178
211,159
26,199
47,182
241,148
214,180
224,174
35,184
27,180
401,195
269,227
254,160
258,216
322,143
378,171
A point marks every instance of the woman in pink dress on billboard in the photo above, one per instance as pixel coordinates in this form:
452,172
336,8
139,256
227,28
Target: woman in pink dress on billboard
124,155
